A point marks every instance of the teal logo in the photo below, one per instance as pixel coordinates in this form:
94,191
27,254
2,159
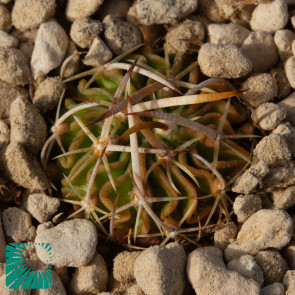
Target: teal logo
19,273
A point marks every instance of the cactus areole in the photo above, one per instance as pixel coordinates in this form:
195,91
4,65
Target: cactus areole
148,152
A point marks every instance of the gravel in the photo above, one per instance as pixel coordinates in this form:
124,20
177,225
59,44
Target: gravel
30,14
227,34
289,254
273,289
50,48
289,104
283,40
73,243
290,70
261,49
283,84
4,134
7,40
226,235
223,61
284,199
289,282
5,19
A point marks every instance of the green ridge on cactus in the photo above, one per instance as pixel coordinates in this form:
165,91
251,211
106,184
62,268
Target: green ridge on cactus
143,161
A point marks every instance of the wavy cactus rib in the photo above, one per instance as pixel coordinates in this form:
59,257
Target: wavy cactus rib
144,160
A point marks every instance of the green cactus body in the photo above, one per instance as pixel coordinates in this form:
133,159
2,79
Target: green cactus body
182,190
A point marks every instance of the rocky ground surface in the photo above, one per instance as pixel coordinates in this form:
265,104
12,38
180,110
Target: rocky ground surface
252,44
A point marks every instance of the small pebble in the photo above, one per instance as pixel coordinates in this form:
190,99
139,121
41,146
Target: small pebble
283,40
223,61
8,93
273,265
289,253
80,8
227,34
13,67
189,30
120,35
30,14
24,130
41,206
133,290
123,269
117,8
248,268
4,134
160,269
208,274
5,19
24,169
91,278
246,205
269,115
17,225
162,12
260,88
210,11
267,228
289,282
273,150
50,47
290,70
261,49
273,289
84,31
73,243
270,17
57,288
7,40
289,104
98,54
283,84
250,179
284,199
48,93
226,235
2,242
43,226
288,132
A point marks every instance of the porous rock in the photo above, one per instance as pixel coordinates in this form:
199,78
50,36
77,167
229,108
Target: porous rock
29,14
43,226
283,84
81,8
269,115
227,34
120,35
288,132
260,88
98,54
41,206
13,67
260,48
273,150
48,93
148,12
273,265
190,30
91,278
284,199
250,179
73,243
270,17
83,31
208,274
50,47
28,127
5,18
267,228
226,235
160,269
6,40
17,225
4,134
273,289
289,253
123,269
223,61
24,169
289,104
246,205
248,268
290,70
283,40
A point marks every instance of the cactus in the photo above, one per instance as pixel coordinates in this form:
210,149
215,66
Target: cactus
146,152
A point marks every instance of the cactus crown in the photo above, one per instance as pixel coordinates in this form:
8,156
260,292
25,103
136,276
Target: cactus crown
147,152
